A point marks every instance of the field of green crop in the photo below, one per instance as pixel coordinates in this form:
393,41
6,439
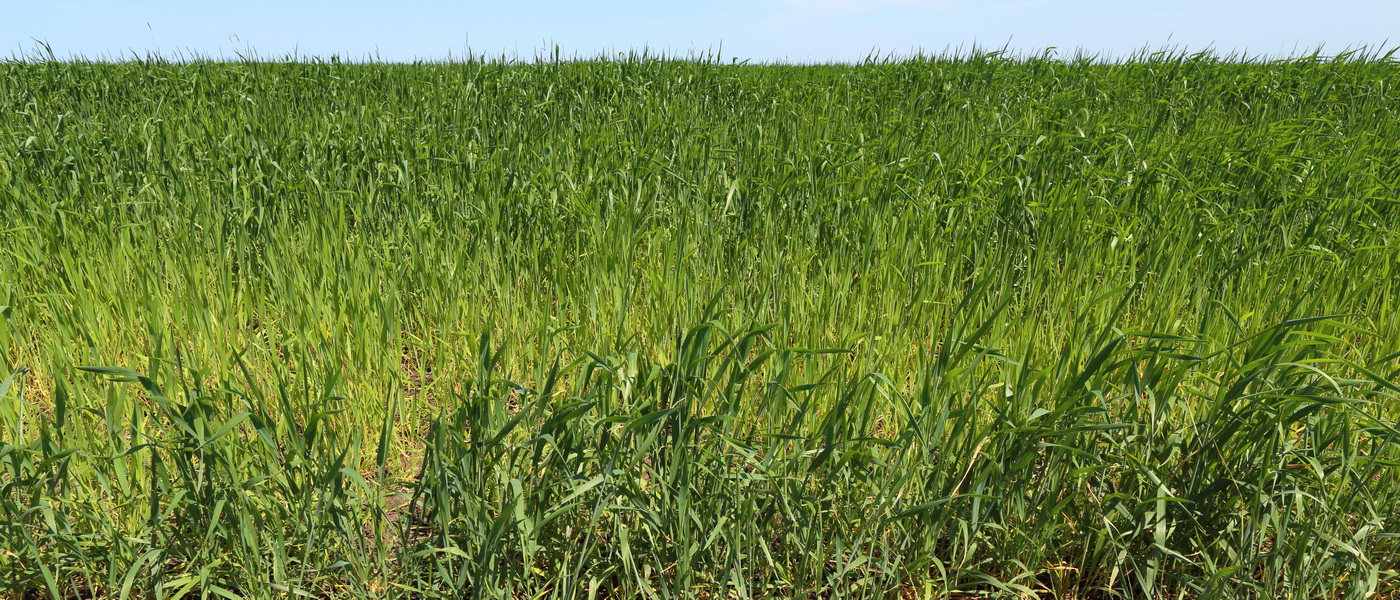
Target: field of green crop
952,327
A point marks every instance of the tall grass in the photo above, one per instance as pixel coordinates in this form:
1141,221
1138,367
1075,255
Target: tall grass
669,329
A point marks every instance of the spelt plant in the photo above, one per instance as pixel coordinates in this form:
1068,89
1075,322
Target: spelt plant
938,326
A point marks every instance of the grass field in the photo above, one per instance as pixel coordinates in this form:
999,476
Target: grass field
945,327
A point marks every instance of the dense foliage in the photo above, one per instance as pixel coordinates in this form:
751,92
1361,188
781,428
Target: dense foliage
671,329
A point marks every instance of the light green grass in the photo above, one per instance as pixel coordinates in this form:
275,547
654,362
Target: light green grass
666,329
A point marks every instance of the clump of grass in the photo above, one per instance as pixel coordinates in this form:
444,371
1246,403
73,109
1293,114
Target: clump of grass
972,324
1135,463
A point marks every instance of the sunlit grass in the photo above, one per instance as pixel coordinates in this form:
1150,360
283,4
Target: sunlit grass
660,328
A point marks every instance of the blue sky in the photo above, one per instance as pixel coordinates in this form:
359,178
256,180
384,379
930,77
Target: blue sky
759,30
